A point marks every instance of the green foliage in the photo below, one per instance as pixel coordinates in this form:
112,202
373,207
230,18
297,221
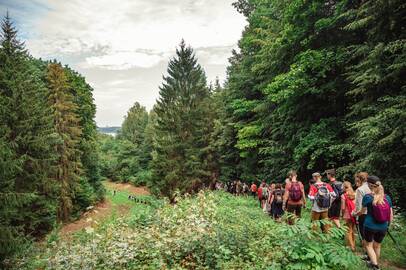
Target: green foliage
315,85
200,232
26,141
183,127
37,117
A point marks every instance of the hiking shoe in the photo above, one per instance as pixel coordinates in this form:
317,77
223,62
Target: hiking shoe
373,266
365,258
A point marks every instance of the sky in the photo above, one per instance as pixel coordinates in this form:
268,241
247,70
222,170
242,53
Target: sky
122,47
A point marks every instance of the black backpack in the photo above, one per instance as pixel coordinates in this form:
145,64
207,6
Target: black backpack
338,188
323,197
278,196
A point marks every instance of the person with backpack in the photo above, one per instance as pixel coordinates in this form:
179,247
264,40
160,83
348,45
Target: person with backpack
245,189
260,194
321,194
347,207
362,190
265,195
294,198
268,205
335,208
276,201
379,213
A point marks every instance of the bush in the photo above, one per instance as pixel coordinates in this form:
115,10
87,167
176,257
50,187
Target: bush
209,231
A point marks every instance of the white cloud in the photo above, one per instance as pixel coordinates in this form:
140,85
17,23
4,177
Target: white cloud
122,46
124,60
78,26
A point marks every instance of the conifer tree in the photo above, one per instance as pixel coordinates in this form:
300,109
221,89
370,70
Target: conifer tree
179,161
91,187
25,144
66,122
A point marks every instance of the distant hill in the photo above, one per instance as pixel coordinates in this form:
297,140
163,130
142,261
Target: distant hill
108,130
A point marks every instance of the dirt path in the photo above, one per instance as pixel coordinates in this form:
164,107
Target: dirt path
102,210
127,187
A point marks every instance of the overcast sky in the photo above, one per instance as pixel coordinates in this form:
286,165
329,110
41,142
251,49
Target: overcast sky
122,47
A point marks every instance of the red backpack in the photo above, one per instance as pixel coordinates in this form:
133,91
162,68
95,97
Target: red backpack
295,192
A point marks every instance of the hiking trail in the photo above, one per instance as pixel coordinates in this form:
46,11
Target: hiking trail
102,210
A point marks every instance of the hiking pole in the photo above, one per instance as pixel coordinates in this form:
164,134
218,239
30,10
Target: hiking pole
396,244
359,234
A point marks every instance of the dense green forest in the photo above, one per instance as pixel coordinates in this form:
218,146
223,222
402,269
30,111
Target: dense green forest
313,85
49,165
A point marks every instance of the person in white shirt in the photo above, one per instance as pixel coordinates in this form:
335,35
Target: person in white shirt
362,190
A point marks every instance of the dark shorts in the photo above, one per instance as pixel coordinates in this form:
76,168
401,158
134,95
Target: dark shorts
361,220
295,209
374,236
334,210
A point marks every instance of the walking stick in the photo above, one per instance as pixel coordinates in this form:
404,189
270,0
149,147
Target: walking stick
396,244
359,233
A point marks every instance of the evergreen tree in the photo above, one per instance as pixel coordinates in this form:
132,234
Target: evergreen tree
179,158
91,188
26,138
66,122
378,109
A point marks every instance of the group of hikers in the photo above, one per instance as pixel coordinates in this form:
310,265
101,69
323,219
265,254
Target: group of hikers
367,209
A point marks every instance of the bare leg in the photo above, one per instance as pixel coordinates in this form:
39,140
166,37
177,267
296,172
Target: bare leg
371,253
337,222
377,249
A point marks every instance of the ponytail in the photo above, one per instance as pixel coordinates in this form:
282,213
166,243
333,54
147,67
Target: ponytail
379,193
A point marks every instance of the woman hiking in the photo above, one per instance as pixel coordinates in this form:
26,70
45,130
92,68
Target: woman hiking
276,201
347,207
379,213
362,190
295,197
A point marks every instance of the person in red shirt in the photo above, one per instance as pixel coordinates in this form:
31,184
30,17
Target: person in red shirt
260,194
321,194
253,189
294,198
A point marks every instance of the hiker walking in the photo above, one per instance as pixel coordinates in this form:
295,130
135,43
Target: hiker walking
362,190
347,207
253,189
276,202
265,196
238,187
379,213
245,189
268,205
260,194
294,197
321,194
335,208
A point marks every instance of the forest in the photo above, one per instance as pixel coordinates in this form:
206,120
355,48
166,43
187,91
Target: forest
313,85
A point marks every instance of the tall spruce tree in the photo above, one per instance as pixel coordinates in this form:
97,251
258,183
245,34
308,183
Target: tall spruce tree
26,137
66,122
179,161
91,188
378,92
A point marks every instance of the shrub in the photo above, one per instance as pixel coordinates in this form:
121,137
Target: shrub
212,230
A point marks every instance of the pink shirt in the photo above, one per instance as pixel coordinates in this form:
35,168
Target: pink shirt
346,211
